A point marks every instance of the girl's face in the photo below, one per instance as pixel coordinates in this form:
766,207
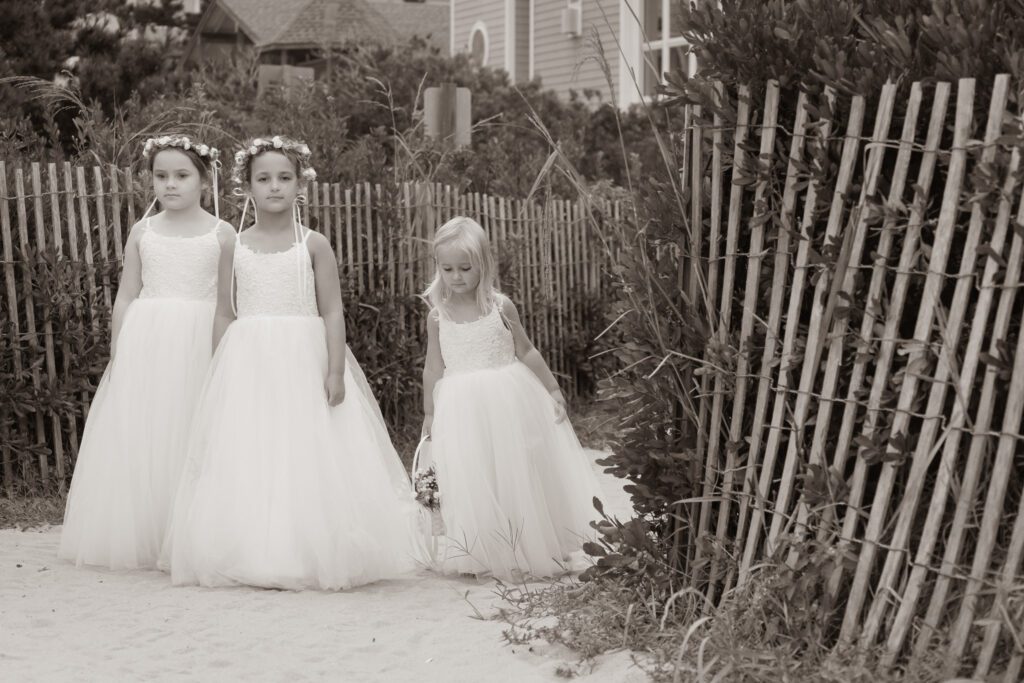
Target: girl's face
176,180
458,272
274,183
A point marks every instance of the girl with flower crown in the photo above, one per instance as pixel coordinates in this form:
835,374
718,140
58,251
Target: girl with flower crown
291,480
516,489
135,437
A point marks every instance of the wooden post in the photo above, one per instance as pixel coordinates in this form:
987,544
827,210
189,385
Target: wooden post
350,249
447,113
30,315
86,223
358,212
66,354
50,356
12,307
101,229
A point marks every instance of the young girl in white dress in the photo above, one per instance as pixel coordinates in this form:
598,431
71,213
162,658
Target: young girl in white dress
291,480
136,433
516,488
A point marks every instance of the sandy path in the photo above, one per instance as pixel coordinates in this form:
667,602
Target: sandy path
62,623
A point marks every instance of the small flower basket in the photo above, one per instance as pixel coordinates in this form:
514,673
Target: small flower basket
424,480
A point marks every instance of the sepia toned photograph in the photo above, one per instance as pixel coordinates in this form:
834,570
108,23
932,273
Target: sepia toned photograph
623,341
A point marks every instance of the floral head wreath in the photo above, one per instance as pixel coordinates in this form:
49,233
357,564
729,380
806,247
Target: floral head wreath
244,156
154,145
207,154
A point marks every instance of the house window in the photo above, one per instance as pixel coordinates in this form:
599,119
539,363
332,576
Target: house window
664,48
479,44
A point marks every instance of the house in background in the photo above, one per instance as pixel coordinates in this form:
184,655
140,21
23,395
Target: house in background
293,33
558,41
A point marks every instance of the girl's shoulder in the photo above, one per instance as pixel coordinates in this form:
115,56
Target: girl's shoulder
317,245
226,234
147,221
504,305
141,226
138,228
316,241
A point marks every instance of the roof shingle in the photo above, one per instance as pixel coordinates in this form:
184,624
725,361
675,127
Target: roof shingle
416,19
280,23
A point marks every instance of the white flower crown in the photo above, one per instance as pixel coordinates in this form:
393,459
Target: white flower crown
278,144
184,142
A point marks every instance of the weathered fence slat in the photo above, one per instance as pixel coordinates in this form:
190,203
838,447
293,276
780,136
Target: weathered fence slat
31,331
842,282
918,352
12,308
924,448
57,439
721,335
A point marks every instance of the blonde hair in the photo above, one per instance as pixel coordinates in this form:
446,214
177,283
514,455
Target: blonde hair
466,234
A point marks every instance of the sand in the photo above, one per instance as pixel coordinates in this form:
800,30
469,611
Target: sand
61,623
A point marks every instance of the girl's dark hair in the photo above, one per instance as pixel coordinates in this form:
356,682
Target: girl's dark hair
295,151
291,155
203,166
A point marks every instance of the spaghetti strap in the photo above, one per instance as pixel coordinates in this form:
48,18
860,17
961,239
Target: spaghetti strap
145,215
301,235
231,283
501,314
238,242
303,255
216,189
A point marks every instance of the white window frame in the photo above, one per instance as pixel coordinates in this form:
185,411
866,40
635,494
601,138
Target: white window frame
577,4
482,28
451,28
512,42
636,45
665,46
532,67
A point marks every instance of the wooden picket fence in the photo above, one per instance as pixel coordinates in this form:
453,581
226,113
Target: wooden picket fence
873,411
551,266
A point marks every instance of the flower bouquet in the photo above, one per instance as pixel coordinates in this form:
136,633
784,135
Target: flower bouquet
424,480
426,489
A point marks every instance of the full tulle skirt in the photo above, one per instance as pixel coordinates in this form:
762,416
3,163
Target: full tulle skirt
136,435
280,490
516,488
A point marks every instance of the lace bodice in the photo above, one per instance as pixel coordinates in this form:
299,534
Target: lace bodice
477,345
179,267
269,283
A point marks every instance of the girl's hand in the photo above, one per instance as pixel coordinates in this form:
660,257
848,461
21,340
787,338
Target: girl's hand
335,387
560,412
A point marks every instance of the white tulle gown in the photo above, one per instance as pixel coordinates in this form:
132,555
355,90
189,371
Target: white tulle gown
136,433
516,488
280,490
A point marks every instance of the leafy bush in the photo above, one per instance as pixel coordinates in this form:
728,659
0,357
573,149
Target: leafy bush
363,119
80,355
809,45
109,50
